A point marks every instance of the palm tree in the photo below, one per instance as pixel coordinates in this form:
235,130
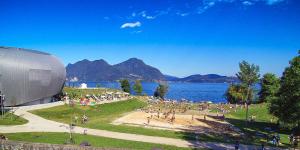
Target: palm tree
248,75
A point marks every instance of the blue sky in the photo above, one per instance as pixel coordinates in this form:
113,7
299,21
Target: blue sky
180,37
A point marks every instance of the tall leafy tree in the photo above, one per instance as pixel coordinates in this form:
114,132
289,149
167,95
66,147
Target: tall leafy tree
137,87
248,75
236,93
161,91
287,106
269,87
125,85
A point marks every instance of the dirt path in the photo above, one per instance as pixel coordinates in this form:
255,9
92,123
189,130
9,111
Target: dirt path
39,124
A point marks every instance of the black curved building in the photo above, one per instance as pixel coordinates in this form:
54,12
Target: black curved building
29,77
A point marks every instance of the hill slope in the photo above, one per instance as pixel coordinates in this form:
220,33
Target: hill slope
100,70
209,78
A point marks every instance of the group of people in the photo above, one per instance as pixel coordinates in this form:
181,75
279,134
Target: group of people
84,119
293,140
276,139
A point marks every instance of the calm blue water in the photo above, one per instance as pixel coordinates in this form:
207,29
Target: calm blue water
191,91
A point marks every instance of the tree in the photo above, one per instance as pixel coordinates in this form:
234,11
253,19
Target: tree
236,93
125,85
72,97
98,85
248,75
161,91
269,87
287,106
137,87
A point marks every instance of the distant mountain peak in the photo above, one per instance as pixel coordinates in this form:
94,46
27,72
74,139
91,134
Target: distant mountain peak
100,61
85,60
100,70
134,60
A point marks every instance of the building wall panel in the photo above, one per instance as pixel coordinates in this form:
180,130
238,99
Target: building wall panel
28,75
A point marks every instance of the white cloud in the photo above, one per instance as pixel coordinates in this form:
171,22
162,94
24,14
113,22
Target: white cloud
150,17
206,4
131,25
144,15
247,3
137,32
271,2
133,14
211,4
182,14
201,7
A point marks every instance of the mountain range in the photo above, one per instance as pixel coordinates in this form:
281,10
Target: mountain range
132,69
100,70
208,78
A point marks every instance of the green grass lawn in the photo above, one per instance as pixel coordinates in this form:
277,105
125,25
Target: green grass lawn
101,116
11,119
262,121
95,141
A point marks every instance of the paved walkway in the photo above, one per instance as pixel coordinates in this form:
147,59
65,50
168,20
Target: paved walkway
39,124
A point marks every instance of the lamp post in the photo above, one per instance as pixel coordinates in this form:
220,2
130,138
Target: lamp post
2,98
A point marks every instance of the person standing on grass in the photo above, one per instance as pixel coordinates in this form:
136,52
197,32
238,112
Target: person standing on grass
274,140
278,139
237,145
148,120
291,137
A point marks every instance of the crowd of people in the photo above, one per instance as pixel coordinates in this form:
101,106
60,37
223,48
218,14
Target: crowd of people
93,99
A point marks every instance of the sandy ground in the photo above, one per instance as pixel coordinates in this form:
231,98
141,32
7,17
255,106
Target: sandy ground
182,122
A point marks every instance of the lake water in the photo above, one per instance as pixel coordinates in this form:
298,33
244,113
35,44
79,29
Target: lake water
190,91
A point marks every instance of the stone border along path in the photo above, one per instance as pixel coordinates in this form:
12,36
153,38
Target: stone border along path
39,124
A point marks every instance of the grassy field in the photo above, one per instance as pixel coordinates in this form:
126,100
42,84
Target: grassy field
61,138
256,131
101,116
11,119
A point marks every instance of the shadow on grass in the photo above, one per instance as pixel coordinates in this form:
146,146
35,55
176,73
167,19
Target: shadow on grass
258,132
